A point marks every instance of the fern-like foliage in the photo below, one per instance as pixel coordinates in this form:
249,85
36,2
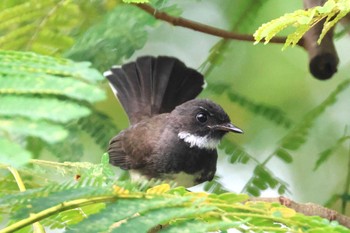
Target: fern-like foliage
47,27
116,37
39,95
271,113
332,11
89,205
40,26
298,135
240,23
217,55
324,155
293,140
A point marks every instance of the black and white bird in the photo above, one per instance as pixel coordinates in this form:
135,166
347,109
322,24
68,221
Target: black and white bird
172,136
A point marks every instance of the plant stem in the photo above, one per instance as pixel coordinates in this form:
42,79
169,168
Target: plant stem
37,227
18,178
56,209
346,188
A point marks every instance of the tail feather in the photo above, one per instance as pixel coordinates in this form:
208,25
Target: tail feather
151,85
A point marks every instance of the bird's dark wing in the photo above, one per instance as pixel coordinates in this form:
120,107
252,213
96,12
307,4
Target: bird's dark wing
153,85
134,147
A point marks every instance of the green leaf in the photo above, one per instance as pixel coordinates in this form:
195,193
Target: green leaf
259,183
41,108
282,189
99,127
254,191
40,26
296,137
12,154
233,197
200,226
120,210
152,218
30,83
284,155
214,186
108,43
303,20
263,173
47,131
235,153
14,63
324,155
271,113
136,1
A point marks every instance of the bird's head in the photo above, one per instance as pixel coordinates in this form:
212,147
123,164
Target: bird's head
201,123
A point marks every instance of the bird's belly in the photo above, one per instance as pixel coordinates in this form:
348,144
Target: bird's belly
180,178
183,178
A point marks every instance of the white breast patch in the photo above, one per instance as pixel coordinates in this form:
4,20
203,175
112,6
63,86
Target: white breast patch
202,142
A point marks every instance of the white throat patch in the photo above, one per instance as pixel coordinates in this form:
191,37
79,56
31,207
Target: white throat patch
202,142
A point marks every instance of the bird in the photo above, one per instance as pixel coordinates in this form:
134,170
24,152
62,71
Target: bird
173,136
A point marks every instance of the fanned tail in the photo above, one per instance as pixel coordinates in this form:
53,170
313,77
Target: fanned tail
153,85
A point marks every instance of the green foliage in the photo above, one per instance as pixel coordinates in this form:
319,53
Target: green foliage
44,130
218,54
41,108
293,140
136,1
101,43
12,153
215,186
324,155
38,26
271,113
241,22
234,152
99,127
302,20
107,43
94,203
46,27
39,96
298,135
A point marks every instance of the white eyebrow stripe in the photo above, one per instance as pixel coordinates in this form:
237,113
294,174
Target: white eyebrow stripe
206,110
202,142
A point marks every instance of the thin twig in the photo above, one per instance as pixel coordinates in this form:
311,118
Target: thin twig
309,209
37,227
182,22
347,185
57,209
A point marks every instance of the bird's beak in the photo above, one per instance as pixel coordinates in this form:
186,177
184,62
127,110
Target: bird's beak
228,127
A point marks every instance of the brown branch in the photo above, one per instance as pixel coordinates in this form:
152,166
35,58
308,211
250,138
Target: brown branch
182,22
309,209
323,58
346,21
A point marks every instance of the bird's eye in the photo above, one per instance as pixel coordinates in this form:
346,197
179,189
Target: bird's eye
201,117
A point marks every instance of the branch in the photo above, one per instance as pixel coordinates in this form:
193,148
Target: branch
309,209
346,22
37,227
57,209
323,58
182,22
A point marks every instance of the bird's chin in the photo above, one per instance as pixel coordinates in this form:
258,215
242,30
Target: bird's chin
217,134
